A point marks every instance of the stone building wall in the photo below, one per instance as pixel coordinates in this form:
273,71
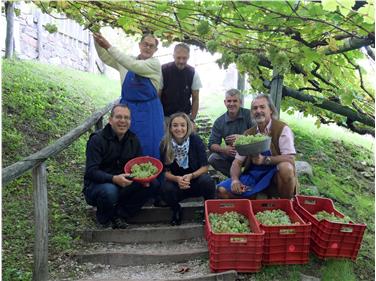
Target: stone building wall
70,46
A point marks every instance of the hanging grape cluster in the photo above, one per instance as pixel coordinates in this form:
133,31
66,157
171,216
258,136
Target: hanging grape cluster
323,215
229,222
273,217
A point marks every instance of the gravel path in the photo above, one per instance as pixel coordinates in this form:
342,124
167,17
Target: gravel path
160,271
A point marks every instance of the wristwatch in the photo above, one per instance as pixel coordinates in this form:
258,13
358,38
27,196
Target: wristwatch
267,160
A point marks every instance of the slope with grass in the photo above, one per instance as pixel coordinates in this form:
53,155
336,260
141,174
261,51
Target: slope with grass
42,103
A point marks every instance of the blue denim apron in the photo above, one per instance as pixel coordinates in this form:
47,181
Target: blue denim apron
256,179
139,94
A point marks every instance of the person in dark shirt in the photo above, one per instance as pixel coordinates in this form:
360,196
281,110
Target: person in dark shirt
180,83
186,165
226,128
105,184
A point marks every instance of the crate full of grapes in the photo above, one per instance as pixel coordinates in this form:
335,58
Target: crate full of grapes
235,241
287,236
333,234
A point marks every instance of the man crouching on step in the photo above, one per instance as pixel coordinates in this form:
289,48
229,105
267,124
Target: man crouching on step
273,171
105,184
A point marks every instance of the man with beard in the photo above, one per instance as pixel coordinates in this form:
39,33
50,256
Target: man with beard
180,83
272,171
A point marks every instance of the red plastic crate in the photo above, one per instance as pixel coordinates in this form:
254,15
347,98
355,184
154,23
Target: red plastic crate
284,244
240,252
329,239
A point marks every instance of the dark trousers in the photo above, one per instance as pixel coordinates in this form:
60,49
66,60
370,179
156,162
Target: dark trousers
202,186
112,200
221,163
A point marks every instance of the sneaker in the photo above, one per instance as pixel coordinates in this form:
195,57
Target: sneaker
118,223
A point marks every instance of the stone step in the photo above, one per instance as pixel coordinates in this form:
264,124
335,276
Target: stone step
143,254
192,212
195,270
144,234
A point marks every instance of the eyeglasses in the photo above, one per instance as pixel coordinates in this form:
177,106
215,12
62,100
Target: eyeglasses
119,117
147,45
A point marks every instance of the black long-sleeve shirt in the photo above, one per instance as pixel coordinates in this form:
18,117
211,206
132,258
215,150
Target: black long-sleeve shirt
106,155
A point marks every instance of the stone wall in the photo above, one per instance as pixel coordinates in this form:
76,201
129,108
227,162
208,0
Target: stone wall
70,46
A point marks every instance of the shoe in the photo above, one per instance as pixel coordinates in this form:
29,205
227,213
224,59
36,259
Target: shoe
118,223
176,216
160,203
103,226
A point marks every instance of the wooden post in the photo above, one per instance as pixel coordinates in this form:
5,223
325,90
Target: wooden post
39,34
9,39
91,53
276,90
99,124
241,86
40,270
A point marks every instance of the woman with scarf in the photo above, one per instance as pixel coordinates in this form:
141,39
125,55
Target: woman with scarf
186,165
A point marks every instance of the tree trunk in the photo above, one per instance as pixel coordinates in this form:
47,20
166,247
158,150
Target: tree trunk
9,42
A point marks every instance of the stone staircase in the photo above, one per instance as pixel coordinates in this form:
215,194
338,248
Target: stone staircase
151,249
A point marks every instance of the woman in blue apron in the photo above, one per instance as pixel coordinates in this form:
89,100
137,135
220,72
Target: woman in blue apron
141,77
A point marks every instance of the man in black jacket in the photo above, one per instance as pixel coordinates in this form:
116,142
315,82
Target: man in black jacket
105,184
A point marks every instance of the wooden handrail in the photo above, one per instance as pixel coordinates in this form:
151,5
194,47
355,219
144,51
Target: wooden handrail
17,169
36,162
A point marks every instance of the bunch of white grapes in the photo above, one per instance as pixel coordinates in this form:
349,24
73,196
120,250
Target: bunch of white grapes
143,170
273,217
250,139
229,222
331,217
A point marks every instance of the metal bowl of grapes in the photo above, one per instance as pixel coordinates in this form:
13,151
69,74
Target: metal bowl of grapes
143,169
252,144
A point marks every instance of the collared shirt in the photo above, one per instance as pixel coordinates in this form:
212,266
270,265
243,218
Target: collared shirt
285,142
224,126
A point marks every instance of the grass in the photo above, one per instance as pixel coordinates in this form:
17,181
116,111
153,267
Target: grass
42,103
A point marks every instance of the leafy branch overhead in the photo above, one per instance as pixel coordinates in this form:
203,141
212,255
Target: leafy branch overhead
316,46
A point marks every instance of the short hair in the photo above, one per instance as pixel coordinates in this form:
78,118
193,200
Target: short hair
182,46
149,35
118,105
270,103
232,92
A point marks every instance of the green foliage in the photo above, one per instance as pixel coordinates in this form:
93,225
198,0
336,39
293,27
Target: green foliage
40,104
50,27
299,39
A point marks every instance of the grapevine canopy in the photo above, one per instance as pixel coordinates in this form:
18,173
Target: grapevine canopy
315,45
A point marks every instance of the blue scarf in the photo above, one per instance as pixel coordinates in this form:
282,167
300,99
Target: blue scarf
181,153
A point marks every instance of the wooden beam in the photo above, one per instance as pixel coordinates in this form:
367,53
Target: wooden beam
17,169
40,270
276,90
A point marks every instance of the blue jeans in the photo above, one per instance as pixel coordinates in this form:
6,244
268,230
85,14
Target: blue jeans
115,201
